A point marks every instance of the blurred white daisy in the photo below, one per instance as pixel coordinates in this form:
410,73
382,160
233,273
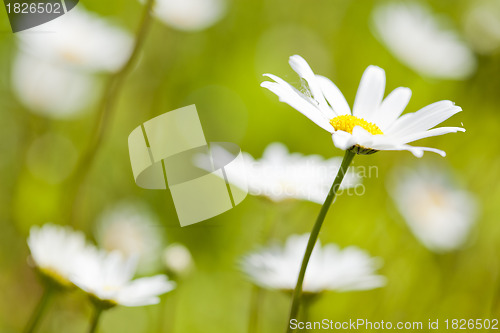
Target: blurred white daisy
330,268
421,40
438,213
80,39
482,26
52,73
177,260
131,229
280,175
54,250
108,279
190,15
50,89
375,123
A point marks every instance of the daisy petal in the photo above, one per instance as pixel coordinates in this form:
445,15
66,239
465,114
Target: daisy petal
417,151
118,268
362,137
430,133
424,119
370,93
334,96
144,291
423,41
140,301
302,68
342,140
291,96
420,150
392,107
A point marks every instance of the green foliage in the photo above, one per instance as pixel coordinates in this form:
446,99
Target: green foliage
219,69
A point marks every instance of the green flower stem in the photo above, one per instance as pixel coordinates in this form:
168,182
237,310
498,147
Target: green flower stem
271,224
105,111
297,294
255,300
495,304
167,310
39,310
307,301
95,318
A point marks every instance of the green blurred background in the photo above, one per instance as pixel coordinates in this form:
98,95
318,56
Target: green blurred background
219,69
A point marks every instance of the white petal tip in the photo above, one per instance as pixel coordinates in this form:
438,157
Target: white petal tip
296,57
445,102
440,152
268,85
375,68
404,89
418,154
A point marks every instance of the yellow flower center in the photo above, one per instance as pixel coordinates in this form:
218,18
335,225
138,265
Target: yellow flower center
71,57
346,123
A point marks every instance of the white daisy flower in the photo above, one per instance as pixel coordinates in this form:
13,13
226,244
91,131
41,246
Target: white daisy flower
374,124
108,279
280,175
438,213
482,26
421,40
54,250
190,15
131,229
81,39
330,268
49,89
178,260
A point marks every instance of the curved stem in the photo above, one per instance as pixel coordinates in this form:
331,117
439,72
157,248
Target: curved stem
306,306
297,294
106,107
39,310
95,319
